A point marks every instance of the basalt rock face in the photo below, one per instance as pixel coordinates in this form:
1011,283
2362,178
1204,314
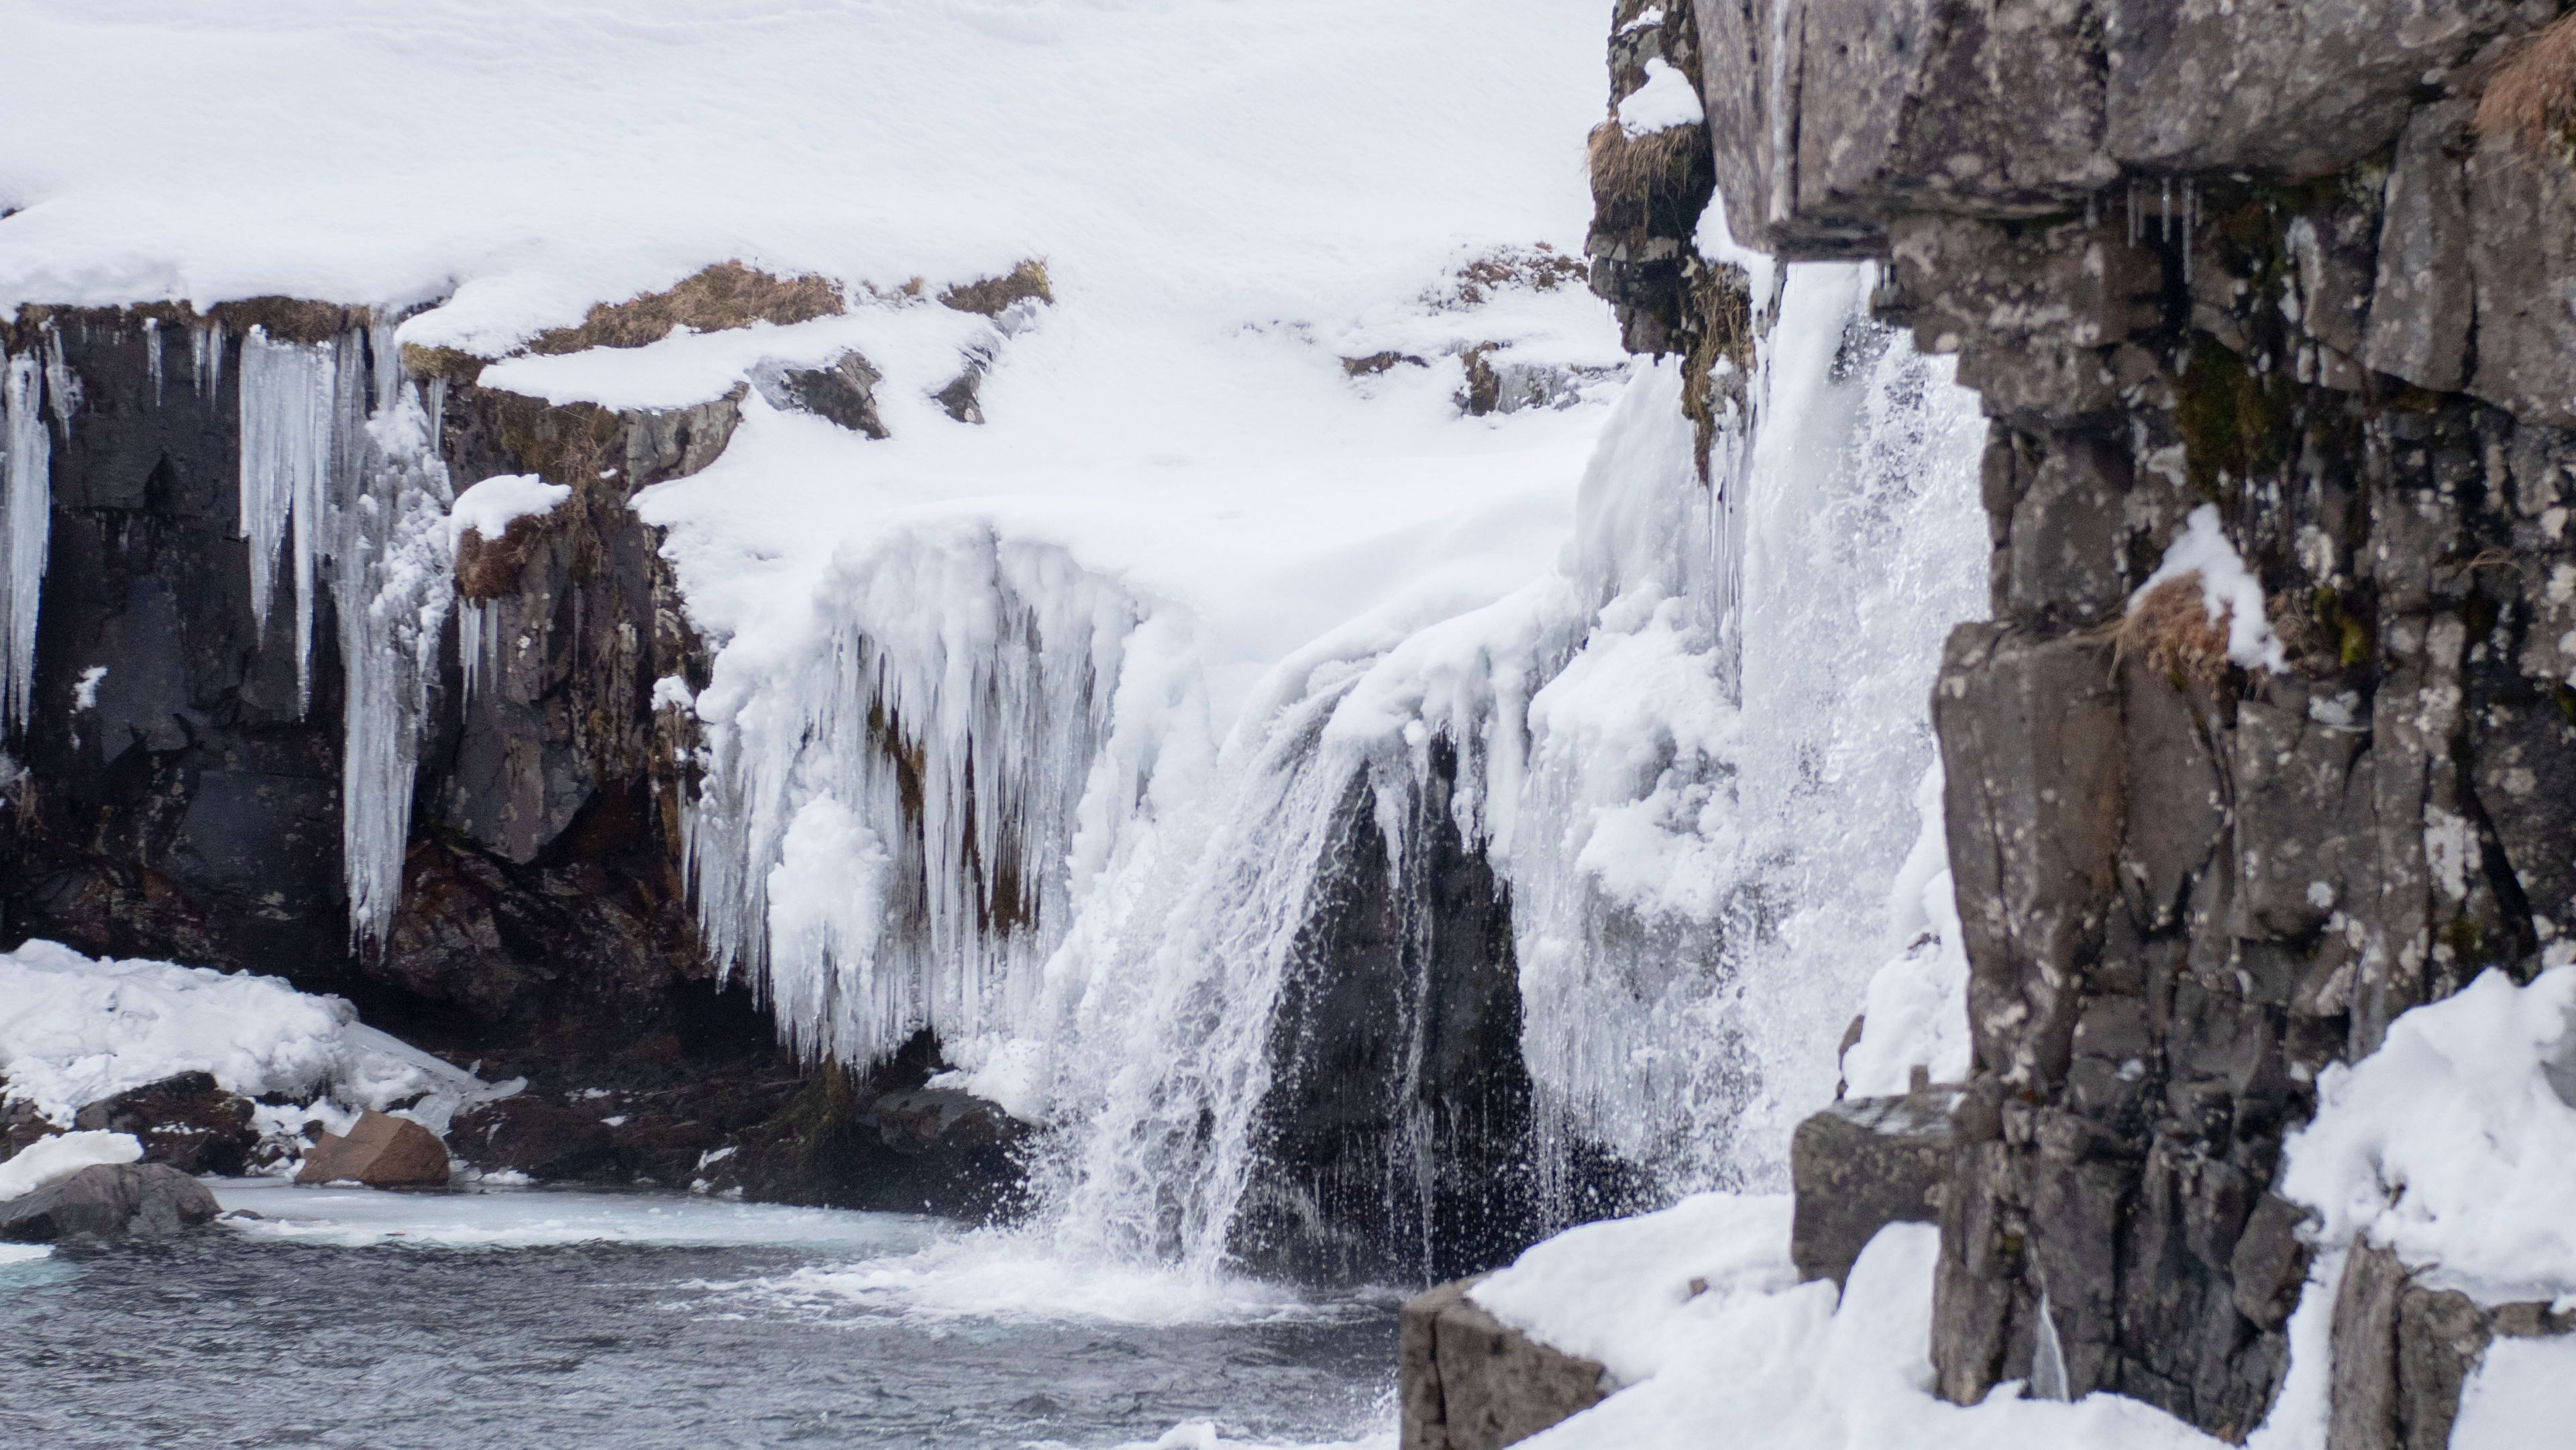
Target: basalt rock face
1397,1129
2255,258
182,805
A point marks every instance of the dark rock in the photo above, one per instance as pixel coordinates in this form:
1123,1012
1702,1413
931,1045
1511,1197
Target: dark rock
380,1151
1861,1165
108,1200
842,391
185,1121
1467,1381
545,1140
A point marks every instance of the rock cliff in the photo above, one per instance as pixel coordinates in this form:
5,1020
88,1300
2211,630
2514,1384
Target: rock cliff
2264,259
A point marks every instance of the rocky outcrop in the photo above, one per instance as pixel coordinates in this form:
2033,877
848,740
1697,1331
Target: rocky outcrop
2403,1351
1863,1164
1468,1381
380,1151
187,1121
2253,258
109,1200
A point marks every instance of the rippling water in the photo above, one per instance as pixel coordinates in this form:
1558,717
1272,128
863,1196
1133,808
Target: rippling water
559,1319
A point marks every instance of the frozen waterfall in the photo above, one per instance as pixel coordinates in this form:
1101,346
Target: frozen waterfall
26,526
980,792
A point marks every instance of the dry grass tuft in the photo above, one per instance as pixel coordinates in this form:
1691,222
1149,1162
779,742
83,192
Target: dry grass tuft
2171,630
2532,95
1538,268
1634,171
723,296
992,296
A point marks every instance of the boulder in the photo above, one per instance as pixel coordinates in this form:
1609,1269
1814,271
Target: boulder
843,391
185,1121
381,1151
1860,1165
109,1200
1468,1381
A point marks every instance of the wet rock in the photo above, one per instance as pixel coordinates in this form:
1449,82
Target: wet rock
185,1121
546,1140
380,1151
1861,1165
1467,1381
109,1200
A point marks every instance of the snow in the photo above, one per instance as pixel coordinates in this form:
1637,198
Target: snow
23,1253
82,1029
2450,1146
1666,100
2228,589
1755,1348
1917,1012
60,1156
490,507
2522,1393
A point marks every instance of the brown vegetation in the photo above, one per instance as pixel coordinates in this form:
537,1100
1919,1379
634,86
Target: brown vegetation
1539,268
2171,630
992,296
2532,95
1635,175
725,295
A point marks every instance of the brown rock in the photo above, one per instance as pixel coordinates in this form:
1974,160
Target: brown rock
1859,1166
382,1151
1471,1382
185,1121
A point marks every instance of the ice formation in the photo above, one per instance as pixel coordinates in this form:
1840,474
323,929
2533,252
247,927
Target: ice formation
26,527
342,484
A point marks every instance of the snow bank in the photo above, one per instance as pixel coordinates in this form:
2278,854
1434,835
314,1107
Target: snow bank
490,507
1754,1348
1917,1012
2451,1146
2227,588
2522,1394
61,1155
80,1030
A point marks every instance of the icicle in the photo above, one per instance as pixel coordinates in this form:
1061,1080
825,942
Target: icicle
62,385
2048,1377
26,507
152,356
393,582
290,407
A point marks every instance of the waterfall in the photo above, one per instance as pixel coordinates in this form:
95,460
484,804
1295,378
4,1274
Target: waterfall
979,791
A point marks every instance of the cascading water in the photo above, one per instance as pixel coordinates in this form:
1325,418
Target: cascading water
980,795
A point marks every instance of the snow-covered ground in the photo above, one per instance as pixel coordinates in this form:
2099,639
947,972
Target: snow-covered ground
79,1029
2451,1145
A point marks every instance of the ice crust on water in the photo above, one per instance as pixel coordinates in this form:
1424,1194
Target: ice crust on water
83,1029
